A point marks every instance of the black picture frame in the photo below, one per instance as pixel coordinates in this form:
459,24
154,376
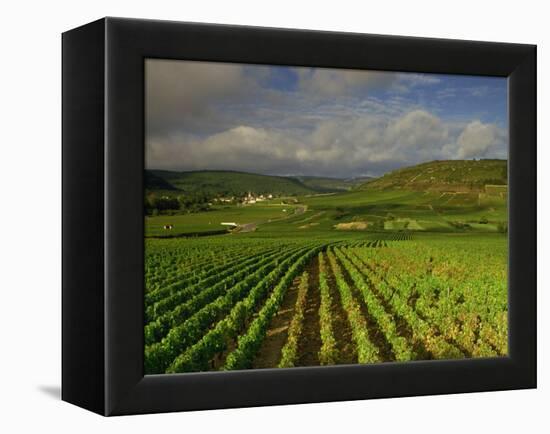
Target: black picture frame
103,261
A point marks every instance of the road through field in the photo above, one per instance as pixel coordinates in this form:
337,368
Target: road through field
251,227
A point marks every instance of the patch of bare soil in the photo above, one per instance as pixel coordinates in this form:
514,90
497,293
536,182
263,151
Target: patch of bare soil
358,226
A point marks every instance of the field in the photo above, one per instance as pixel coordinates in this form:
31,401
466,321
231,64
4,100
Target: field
257,302
195,223
366,275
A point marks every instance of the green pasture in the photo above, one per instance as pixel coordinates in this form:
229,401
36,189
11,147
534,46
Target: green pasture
211,220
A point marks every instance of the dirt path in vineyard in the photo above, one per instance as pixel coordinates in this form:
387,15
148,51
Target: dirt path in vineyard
269,354
310,340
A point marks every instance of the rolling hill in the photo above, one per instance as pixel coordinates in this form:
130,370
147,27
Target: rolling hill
434,176
326,184
446,175
228,182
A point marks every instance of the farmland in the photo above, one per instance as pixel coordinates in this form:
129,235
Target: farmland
195,223
369,274
259,302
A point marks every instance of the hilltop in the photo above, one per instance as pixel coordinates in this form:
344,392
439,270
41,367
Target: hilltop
327,184
445,175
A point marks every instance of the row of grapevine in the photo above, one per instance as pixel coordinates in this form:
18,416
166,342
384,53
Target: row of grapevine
187,298
450,304
367,352
210,305
399,236
191,346
328,354
463,290
369,243
167,266
422,332
171,269
249,343
202,271
400,347
159,355
289,353
170,261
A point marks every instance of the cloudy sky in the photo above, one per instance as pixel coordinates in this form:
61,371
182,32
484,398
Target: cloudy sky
312,121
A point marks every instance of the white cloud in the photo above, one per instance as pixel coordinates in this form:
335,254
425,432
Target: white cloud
419,129
419,79
405,82
233,117
477,139
179,93
336,82
331,147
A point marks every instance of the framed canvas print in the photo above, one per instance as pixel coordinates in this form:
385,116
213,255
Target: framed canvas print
258,216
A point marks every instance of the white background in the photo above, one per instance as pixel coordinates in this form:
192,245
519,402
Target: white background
30,152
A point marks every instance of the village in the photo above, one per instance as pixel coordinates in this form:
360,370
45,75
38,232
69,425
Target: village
250,198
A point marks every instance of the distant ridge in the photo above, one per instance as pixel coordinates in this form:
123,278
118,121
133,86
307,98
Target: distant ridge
444,175
231,182
438,175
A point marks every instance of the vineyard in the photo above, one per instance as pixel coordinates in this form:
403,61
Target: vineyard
259,302
276,238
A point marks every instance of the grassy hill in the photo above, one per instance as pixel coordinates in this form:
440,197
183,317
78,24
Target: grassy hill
155,182
444,176
326,184
230,183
